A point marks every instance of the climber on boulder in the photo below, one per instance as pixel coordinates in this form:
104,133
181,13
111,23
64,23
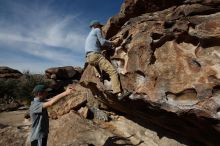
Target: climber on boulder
39,114
94,57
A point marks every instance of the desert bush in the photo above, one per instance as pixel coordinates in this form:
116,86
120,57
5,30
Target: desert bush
8,87
20,88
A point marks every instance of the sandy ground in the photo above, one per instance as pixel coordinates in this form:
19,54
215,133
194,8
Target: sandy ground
13,118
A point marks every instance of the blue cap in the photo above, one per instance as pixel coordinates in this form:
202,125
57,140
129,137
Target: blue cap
95,22
41,88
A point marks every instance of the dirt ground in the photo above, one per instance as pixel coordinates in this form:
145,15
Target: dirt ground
13,118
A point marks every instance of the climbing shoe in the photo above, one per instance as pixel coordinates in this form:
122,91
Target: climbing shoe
123,95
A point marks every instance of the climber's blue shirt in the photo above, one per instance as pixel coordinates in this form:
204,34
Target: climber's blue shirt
95,40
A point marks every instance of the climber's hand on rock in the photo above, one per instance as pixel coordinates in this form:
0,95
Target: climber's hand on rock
115,43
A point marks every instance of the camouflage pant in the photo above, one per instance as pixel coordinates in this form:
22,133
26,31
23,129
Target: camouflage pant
96,59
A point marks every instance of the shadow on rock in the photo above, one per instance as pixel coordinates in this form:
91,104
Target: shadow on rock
117,141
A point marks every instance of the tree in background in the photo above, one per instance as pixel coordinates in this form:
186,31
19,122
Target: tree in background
20,89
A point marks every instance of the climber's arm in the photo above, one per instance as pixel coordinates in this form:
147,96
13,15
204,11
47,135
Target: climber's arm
101,39
57,97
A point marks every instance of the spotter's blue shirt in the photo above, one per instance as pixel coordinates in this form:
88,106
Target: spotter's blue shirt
39,119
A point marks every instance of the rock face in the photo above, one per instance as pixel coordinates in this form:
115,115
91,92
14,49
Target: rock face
9,107
172,56
13,136
72,102
71,129
134,8
169,57
6,72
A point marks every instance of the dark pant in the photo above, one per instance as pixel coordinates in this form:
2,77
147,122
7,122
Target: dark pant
39,142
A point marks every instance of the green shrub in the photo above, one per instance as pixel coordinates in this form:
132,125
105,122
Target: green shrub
20,88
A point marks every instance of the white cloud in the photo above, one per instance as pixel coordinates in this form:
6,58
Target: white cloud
60,31
43,56
42,32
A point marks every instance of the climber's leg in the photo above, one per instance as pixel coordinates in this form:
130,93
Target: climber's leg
106,66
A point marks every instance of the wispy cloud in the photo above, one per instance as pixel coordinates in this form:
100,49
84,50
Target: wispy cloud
40,31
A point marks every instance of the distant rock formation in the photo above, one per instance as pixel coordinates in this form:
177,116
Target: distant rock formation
6,72
61,73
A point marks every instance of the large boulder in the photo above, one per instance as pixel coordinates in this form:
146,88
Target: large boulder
7,72
71,102
170,60
71,129
14,131
14,136
61,73
8,107
134,8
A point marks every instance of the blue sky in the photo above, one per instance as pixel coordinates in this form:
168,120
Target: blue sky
38,34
